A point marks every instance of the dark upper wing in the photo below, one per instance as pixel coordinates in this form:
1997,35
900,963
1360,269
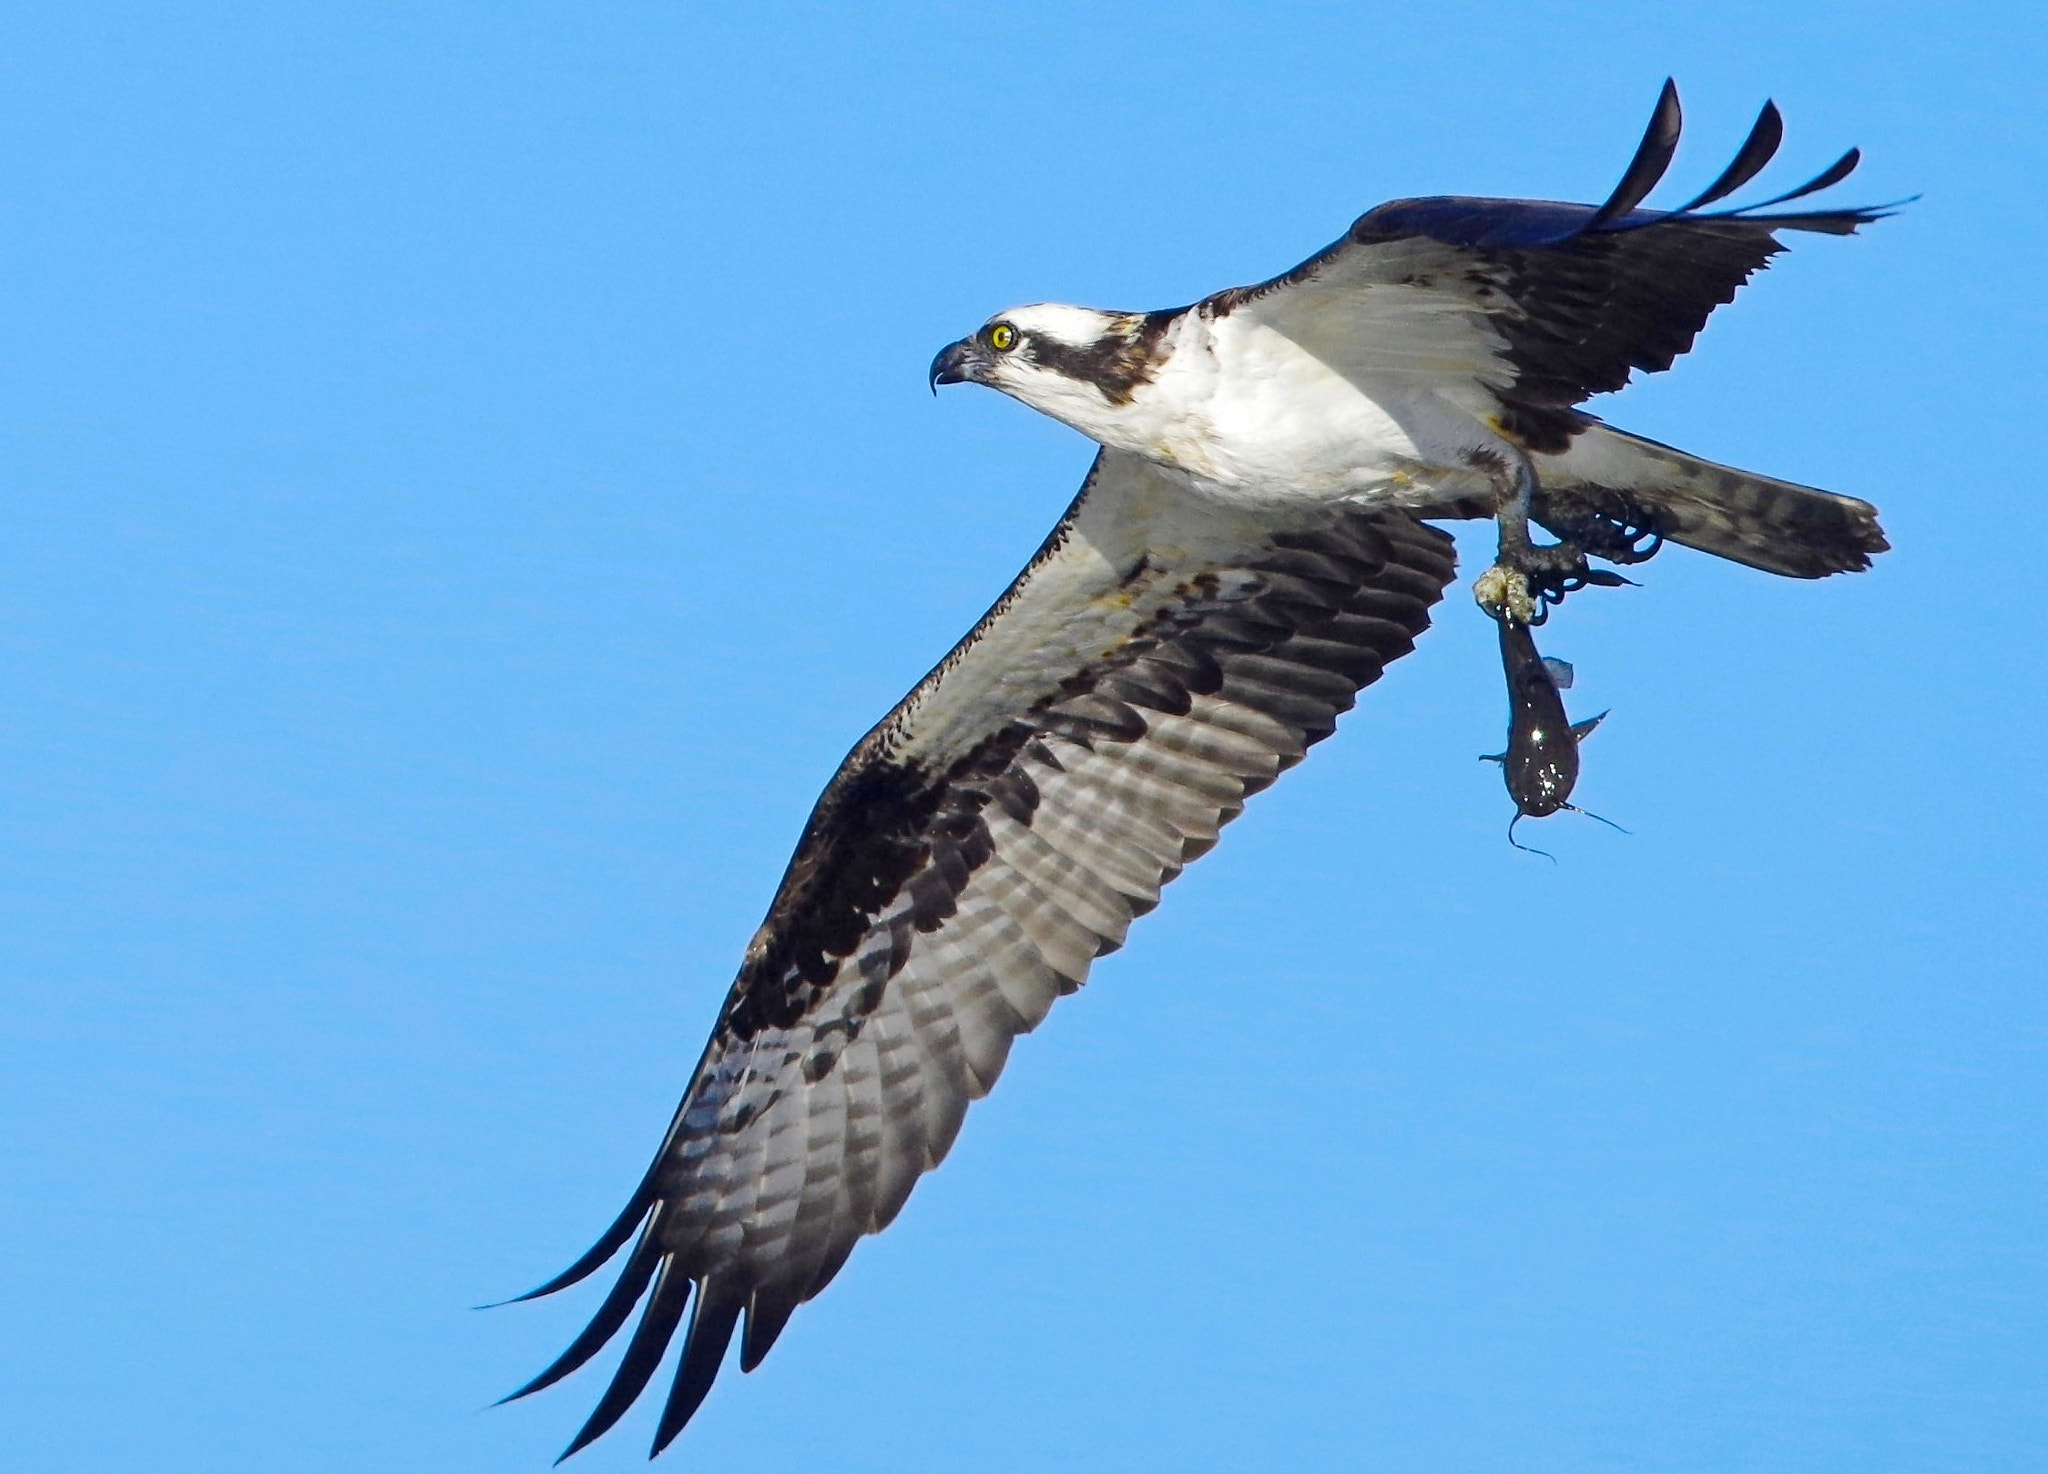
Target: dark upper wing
1549,303
1157,663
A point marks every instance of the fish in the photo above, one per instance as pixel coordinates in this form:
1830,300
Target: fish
1541,763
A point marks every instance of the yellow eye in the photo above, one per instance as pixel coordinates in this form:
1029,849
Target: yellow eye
1002,337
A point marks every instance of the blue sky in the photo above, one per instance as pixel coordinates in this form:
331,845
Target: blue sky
466,476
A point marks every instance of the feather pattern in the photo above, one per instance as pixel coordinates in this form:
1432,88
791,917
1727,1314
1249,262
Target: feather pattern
957,887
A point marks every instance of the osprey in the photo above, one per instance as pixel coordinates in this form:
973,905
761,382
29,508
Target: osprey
1246,553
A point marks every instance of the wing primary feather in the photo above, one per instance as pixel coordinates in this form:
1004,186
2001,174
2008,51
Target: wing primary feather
835,1259
1834,174
1757,150
1653,157
604,1325
607,1245
643,1353
768,1312
629,1218
711,1326
1824,222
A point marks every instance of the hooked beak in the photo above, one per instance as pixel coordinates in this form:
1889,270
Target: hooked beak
958,363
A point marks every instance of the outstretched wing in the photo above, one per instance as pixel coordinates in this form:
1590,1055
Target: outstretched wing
1161,659
1543,303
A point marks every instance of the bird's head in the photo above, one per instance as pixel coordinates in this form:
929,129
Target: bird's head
1077,364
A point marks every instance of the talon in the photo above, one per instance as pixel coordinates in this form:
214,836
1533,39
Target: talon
1630,535
1503,592
1529,578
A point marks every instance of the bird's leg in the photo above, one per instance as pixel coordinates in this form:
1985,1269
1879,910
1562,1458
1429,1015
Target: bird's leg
1527,576
1513,589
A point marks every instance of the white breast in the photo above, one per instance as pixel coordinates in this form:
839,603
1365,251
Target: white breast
1269,415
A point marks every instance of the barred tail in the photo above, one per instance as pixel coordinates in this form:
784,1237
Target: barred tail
1778,526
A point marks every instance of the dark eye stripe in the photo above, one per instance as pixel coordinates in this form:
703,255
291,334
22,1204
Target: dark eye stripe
1124,357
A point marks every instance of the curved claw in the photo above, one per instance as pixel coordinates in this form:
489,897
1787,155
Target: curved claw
1527,578
1551,591
1556,571
1630,535
1524,582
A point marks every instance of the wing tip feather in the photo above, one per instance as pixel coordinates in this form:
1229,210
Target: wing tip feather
651,1337
595,1257
704,1346
1651,161
1766,135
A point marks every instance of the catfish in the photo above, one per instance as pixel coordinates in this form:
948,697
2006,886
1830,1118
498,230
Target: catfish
1541,763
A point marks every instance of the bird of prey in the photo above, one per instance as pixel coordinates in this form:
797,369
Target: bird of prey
1247,552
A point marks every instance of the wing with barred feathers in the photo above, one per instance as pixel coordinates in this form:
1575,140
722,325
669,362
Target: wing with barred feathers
1160,660
1543,303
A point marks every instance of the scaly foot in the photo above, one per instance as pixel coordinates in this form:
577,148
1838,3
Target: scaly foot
1528,578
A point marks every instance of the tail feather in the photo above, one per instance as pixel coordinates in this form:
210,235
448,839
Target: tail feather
1778,526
